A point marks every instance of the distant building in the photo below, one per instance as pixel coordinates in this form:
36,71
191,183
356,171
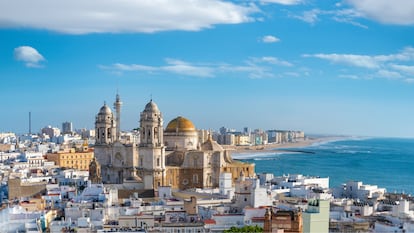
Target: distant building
316,216
67,127
285,136
51,131
79,160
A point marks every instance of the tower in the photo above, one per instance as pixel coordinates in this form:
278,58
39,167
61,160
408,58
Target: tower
117,106
105,126
151,163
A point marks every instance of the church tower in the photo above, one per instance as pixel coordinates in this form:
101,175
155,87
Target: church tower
117,106
104,126
151,163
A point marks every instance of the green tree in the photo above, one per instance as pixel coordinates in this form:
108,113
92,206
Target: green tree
245,229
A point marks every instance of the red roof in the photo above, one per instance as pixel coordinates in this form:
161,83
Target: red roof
258,219
209,221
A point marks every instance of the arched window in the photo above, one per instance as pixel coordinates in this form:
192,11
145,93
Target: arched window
155,132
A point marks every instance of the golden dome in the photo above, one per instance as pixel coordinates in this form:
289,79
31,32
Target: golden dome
180,124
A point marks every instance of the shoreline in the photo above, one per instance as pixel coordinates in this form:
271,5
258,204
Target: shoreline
273,146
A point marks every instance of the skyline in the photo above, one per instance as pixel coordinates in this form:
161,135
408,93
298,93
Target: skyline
328,67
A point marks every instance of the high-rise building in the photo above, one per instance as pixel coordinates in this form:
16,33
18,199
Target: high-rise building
67,127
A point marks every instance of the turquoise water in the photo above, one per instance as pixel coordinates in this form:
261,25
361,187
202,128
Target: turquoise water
386,162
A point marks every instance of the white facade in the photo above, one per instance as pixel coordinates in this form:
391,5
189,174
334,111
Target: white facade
356,190
225,185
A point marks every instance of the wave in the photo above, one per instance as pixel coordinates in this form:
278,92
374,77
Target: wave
258,155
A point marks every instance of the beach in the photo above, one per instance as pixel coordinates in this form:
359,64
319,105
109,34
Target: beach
276,146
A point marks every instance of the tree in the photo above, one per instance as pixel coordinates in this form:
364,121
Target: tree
245,229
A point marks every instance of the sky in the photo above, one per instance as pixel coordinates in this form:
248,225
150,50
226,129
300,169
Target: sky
328,67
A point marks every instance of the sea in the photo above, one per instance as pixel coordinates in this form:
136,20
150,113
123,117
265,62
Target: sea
385,162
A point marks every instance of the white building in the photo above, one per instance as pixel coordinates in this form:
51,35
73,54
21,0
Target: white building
356,190
298,185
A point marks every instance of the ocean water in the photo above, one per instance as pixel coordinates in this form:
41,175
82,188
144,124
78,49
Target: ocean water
386,162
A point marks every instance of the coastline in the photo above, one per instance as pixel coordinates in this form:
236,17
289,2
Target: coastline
276,146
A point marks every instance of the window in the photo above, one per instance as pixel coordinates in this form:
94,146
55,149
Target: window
195,178
158,162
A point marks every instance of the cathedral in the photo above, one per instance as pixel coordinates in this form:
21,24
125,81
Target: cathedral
178,156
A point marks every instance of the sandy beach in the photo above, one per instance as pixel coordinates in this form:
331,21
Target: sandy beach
270,147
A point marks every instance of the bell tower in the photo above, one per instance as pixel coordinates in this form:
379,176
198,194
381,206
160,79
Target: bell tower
117,106
151,164
104,126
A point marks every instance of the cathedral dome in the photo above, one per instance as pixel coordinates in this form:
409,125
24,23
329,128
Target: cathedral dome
180,124
105,110
151,107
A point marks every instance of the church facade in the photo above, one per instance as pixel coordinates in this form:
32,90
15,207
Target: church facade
117,159
174,157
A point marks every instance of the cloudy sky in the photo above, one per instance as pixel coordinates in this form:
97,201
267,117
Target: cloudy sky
331,67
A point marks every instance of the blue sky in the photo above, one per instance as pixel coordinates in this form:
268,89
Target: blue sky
331,67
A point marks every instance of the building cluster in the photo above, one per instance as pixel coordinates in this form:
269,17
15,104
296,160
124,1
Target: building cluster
173,179
247,137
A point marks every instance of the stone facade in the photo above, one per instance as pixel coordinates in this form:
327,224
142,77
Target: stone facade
288,221
186,164
118,160
19,189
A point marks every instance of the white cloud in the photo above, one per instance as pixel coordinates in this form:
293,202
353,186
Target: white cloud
404,68
384,66
273,60
310,16
283,2
399,12
29,55
270,39
185,68
340,15
366,61
100,16
389,74
349,76
409,80
252,67
348,59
